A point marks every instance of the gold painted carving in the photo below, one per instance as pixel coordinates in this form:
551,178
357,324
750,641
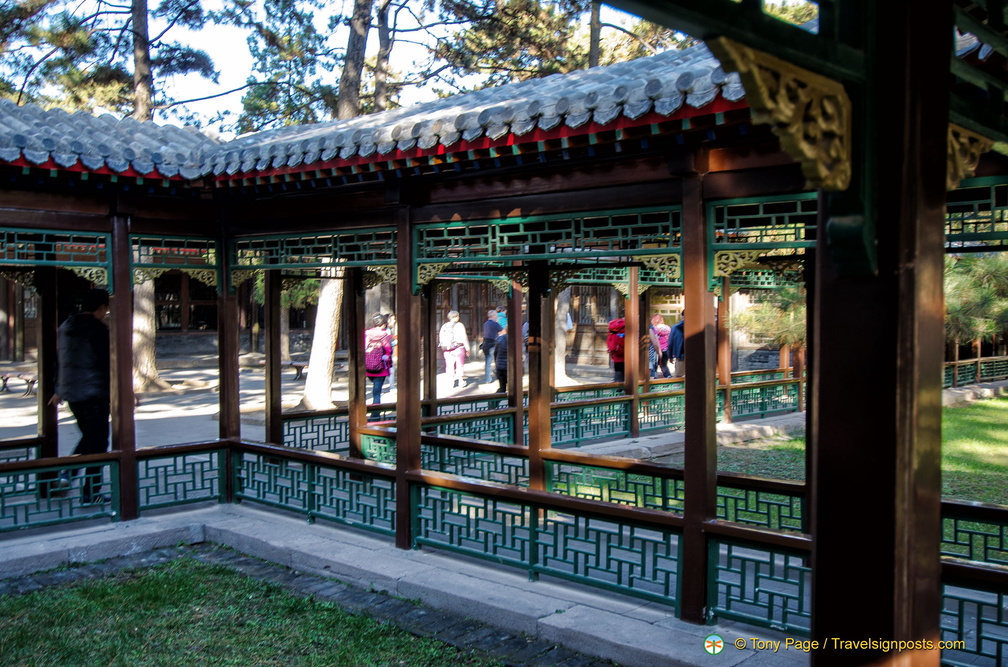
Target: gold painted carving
388,273
811,114
427,272
370,279
238,276
23,277
964,151
502,285
560,279
726,261
668,265
94,274
624,288
206,276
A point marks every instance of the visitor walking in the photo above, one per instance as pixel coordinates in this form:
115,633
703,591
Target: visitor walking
615,344
501,361
677,347
491,329
454,344
83,381
377,357
659,335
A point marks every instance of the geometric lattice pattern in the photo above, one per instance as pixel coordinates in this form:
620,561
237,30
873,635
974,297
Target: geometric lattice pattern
572,424
662,411
580,547
764,399
491,428
328,432
477,465
756,507
177,479
980,541
19,453
764,223
318,491
373,246
603,234
979,619
620,556
615,486
157,254
977,217
769,588
26,502
88,253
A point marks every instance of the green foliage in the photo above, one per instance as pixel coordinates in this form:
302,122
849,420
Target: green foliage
779,319
976,296
187,612
293,62
80,56
294,293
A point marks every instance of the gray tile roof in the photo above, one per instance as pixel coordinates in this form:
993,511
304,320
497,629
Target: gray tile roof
664,84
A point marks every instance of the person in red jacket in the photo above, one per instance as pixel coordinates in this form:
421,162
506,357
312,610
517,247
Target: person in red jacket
615,344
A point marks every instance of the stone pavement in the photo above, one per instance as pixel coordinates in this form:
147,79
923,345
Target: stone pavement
466,602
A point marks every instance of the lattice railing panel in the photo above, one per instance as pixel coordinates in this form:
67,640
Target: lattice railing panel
86,253
574,424
492,428
775,511
662,412
483,527
378,448
981,541
764,223
587,394
363,247
761,586
30,498
764,399
153,255
602,234
273,481
977,217
616,486
178,479
354,499
615,555
328,433
993,369
979,618
486,466
11,454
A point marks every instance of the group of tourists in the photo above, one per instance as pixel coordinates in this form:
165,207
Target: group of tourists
666,346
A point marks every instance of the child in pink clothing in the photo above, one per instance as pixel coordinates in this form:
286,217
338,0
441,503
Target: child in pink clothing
659,335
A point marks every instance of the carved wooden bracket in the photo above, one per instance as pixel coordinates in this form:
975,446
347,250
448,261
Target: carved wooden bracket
964,151
387,272
667,265
427,272
95,274
624,288
727,261
809,113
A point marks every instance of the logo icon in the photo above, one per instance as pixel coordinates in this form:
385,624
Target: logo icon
713,644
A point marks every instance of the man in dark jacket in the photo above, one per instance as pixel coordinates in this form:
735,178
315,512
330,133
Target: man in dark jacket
677,347
501,362
82,380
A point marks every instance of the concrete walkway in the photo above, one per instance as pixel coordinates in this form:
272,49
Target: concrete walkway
467,602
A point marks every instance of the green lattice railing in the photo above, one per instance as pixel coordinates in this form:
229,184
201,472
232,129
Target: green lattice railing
88,254
972,371
976,215
178,478
30,498
764,586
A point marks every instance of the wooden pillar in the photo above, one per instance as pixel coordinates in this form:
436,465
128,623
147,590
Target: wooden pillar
893,447
48,314
121,337
516,362
700,437
357,382
227,361
431,351
272,285
409,307
724,361
632,352
539,352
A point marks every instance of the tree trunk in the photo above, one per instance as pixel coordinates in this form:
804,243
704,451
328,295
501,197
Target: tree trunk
322,361
560,377
145,373
285,343
382,59
143,80
353,62
595,27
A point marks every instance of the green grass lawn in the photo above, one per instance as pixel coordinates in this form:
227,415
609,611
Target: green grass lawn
191,613
974,454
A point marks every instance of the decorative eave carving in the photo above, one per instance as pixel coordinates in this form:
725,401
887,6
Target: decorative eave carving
387,272
668,265
809,113
624,288
964,151
427,272
727,261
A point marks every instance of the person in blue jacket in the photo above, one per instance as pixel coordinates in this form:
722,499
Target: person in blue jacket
676,347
